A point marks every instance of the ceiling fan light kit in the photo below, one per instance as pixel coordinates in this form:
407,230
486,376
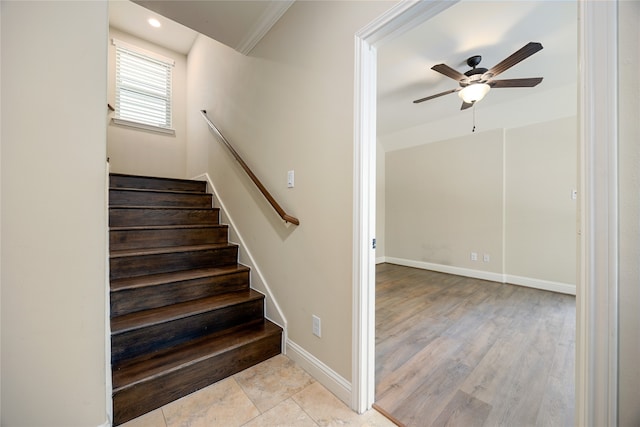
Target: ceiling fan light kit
474,92
476,82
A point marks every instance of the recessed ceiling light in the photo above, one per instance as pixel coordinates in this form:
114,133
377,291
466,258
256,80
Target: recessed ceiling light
154,22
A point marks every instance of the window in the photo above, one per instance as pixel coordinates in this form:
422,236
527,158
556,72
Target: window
143,88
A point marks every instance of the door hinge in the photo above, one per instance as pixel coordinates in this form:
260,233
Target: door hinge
373,243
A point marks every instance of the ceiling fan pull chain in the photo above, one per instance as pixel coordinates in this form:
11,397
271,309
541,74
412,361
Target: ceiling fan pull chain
474,117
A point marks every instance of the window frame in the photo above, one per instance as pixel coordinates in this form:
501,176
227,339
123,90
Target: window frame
151,57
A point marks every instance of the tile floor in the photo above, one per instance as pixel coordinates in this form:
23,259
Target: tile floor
276,392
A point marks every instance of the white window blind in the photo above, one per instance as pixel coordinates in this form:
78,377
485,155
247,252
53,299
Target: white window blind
143,87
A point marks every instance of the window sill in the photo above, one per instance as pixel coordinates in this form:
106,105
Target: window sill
128,123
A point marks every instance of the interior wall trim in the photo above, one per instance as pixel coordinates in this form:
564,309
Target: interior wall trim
597,299
326,376
258,281
529,282
108,381
271,15
449,269
544,285
402,17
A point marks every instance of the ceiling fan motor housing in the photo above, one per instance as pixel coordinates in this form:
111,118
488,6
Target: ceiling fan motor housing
474,74
473,61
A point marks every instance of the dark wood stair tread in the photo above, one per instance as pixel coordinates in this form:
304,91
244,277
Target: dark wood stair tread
146,318
159,207
162,278
153,214
167,250
119,180
147,368
156,190
168,227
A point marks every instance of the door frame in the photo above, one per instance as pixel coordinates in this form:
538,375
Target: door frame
597,287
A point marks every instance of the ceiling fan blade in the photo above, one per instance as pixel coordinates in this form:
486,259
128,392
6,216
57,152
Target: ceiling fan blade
520,55
449,72
447,92
466,105
528,82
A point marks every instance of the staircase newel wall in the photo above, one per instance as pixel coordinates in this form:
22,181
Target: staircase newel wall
53,96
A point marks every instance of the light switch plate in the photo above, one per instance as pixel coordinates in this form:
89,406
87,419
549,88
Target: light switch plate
290,178
317,329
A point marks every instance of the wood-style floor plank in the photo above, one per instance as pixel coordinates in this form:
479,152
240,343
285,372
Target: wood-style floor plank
456,351
463,410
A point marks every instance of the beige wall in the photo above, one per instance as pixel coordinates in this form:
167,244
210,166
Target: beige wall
143,152
53,363
629,207
53,258
444,200
380,201
502,193
289,105
540,215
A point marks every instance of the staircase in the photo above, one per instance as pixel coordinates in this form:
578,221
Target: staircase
182,313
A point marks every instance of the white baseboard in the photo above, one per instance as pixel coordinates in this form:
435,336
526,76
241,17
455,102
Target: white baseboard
326,376
258,281
450,269
563,288
529,282
381,260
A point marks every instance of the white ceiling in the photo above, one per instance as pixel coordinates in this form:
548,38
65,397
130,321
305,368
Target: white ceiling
237,24
132,18
494,30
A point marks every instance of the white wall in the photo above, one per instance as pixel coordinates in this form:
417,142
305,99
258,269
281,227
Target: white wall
289,105
142,152
629,209
503,193
53,257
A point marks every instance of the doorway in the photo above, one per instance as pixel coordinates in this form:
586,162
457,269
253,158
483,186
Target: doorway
596,384
494,203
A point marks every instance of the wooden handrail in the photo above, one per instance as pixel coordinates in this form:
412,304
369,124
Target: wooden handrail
285,216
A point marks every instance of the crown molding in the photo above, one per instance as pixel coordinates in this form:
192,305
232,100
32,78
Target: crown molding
269,17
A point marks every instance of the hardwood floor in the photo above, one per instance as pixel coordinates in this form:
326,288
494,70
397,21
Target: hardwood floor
456,351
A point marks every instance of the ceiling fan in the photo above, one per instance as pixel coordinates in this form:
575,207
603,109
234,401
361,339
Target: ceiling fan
476,83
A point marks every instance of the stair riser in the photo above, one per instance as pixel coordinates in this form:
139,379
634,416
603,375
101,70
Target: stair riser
130,181
134,266
136,239
149,198
132,300
157,337
129,217
145,397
